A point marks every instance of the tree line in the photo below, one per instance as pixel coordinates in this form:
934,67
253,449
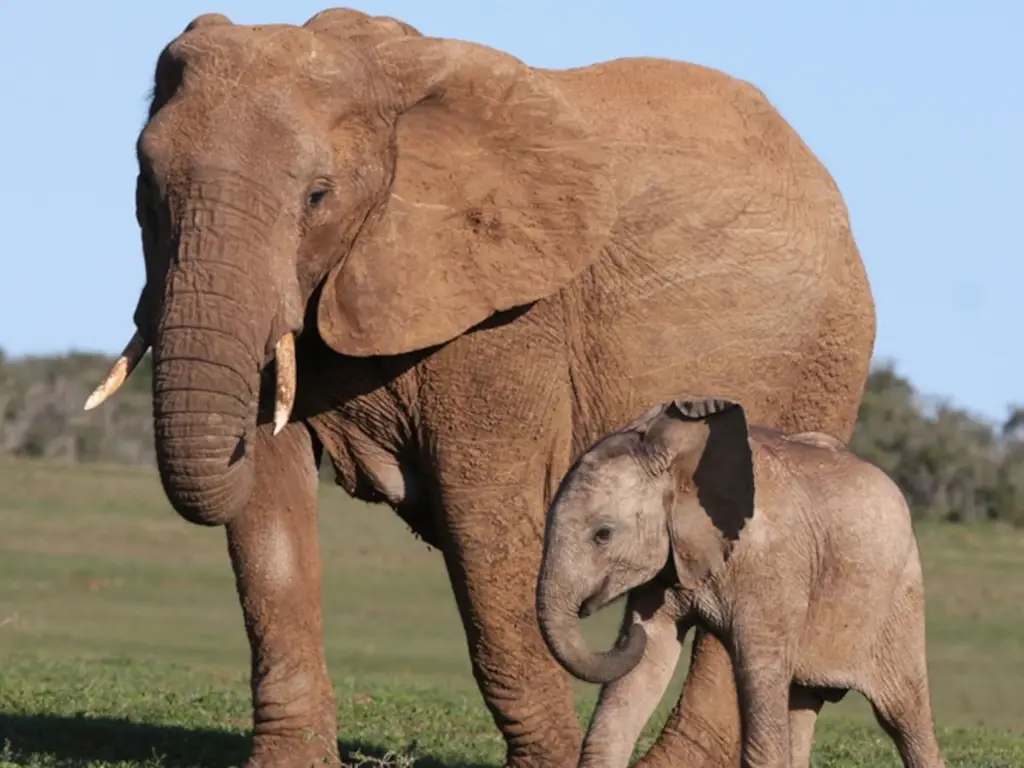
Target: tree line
951,464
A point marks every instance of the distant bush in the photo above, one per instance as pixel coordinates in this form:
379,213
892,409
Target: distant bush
950,464
41,414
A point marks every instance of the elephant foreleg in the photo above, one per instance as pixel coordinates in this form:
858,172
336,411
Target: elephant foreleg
492,551
275,555
625,705
704,729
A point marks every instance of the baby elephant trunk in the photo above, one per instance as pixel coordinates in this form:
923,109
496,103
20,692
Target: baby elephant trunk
560,625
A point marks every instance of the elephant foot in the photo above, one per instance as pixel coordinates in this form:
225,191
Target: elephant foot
294,751
562,758
537,762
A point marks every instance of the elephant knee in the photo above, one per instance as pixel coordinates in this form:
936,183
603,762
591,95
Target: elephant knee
212,517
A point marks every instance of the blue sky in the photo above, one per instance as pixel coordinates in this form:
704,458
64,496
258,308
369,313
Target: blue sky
915,107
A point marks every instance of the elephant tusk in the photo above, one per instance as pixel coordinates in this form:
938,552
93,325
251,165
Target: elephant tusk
284,397
120,371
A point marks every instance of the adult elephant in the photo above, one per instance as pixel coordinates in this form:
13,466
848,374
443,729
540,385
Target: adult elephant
486,267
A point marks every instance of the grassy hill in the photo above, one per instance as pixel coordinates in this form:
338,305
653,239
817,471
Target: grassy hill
122,644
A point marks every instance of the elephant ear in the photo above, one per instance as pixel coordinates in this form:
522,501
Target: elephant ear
706,445
500,197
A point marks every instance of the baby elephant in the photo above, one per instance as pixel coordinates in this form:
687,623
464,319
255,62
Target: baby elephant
798,555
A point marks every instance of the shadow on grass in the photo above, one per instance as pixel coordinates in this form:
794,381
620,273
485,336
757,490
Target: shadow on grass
78,740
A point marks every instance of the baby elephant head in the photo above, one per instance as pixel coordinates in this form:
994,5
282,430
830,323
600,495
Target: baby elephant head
667,494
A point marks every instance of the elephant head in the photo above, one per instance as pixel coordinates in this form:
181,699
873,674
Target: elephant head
390,190
668,494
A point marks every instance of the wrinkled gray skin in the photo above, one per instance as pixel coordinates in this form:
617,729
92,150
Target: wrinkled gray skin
815,586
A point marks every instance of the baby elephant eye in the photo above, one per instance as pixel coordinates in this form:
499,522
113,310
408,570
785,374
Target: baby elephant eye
603,534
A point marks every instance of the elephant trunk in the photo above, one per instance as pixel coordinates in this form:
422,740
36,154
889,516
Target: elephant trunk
207,355
558,610
228,297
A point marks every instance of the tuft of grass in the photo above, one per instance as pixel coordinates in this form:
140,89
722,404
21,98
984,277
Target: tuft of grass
121,639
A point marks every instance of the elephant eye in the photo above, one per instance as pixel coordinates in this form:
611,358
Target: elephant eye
315,197
602,534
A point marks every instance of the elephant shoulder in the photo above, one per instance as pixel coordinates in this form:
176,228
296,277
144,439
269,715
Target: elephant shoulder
678,104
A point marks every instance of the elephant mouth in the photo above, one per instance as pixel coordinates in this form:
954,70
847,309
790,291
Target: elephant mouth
589,607
601,598
284,389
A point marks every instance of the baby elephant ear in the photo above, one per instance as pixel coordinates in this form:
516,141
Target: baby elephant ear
646,420
703,407
723,473
712,483
690,409
680,428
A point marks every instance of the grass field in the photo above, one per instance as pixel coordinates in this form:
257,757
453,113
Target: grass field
121,640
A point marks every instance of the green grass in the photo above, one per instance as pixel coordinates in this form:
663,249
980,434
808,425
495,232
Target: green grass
121,640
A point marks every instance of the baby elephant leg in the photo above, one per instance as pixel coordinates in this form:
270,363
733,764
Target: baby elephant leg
902,705
763,680
764,699
804,706
898,689
625,705
904,711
